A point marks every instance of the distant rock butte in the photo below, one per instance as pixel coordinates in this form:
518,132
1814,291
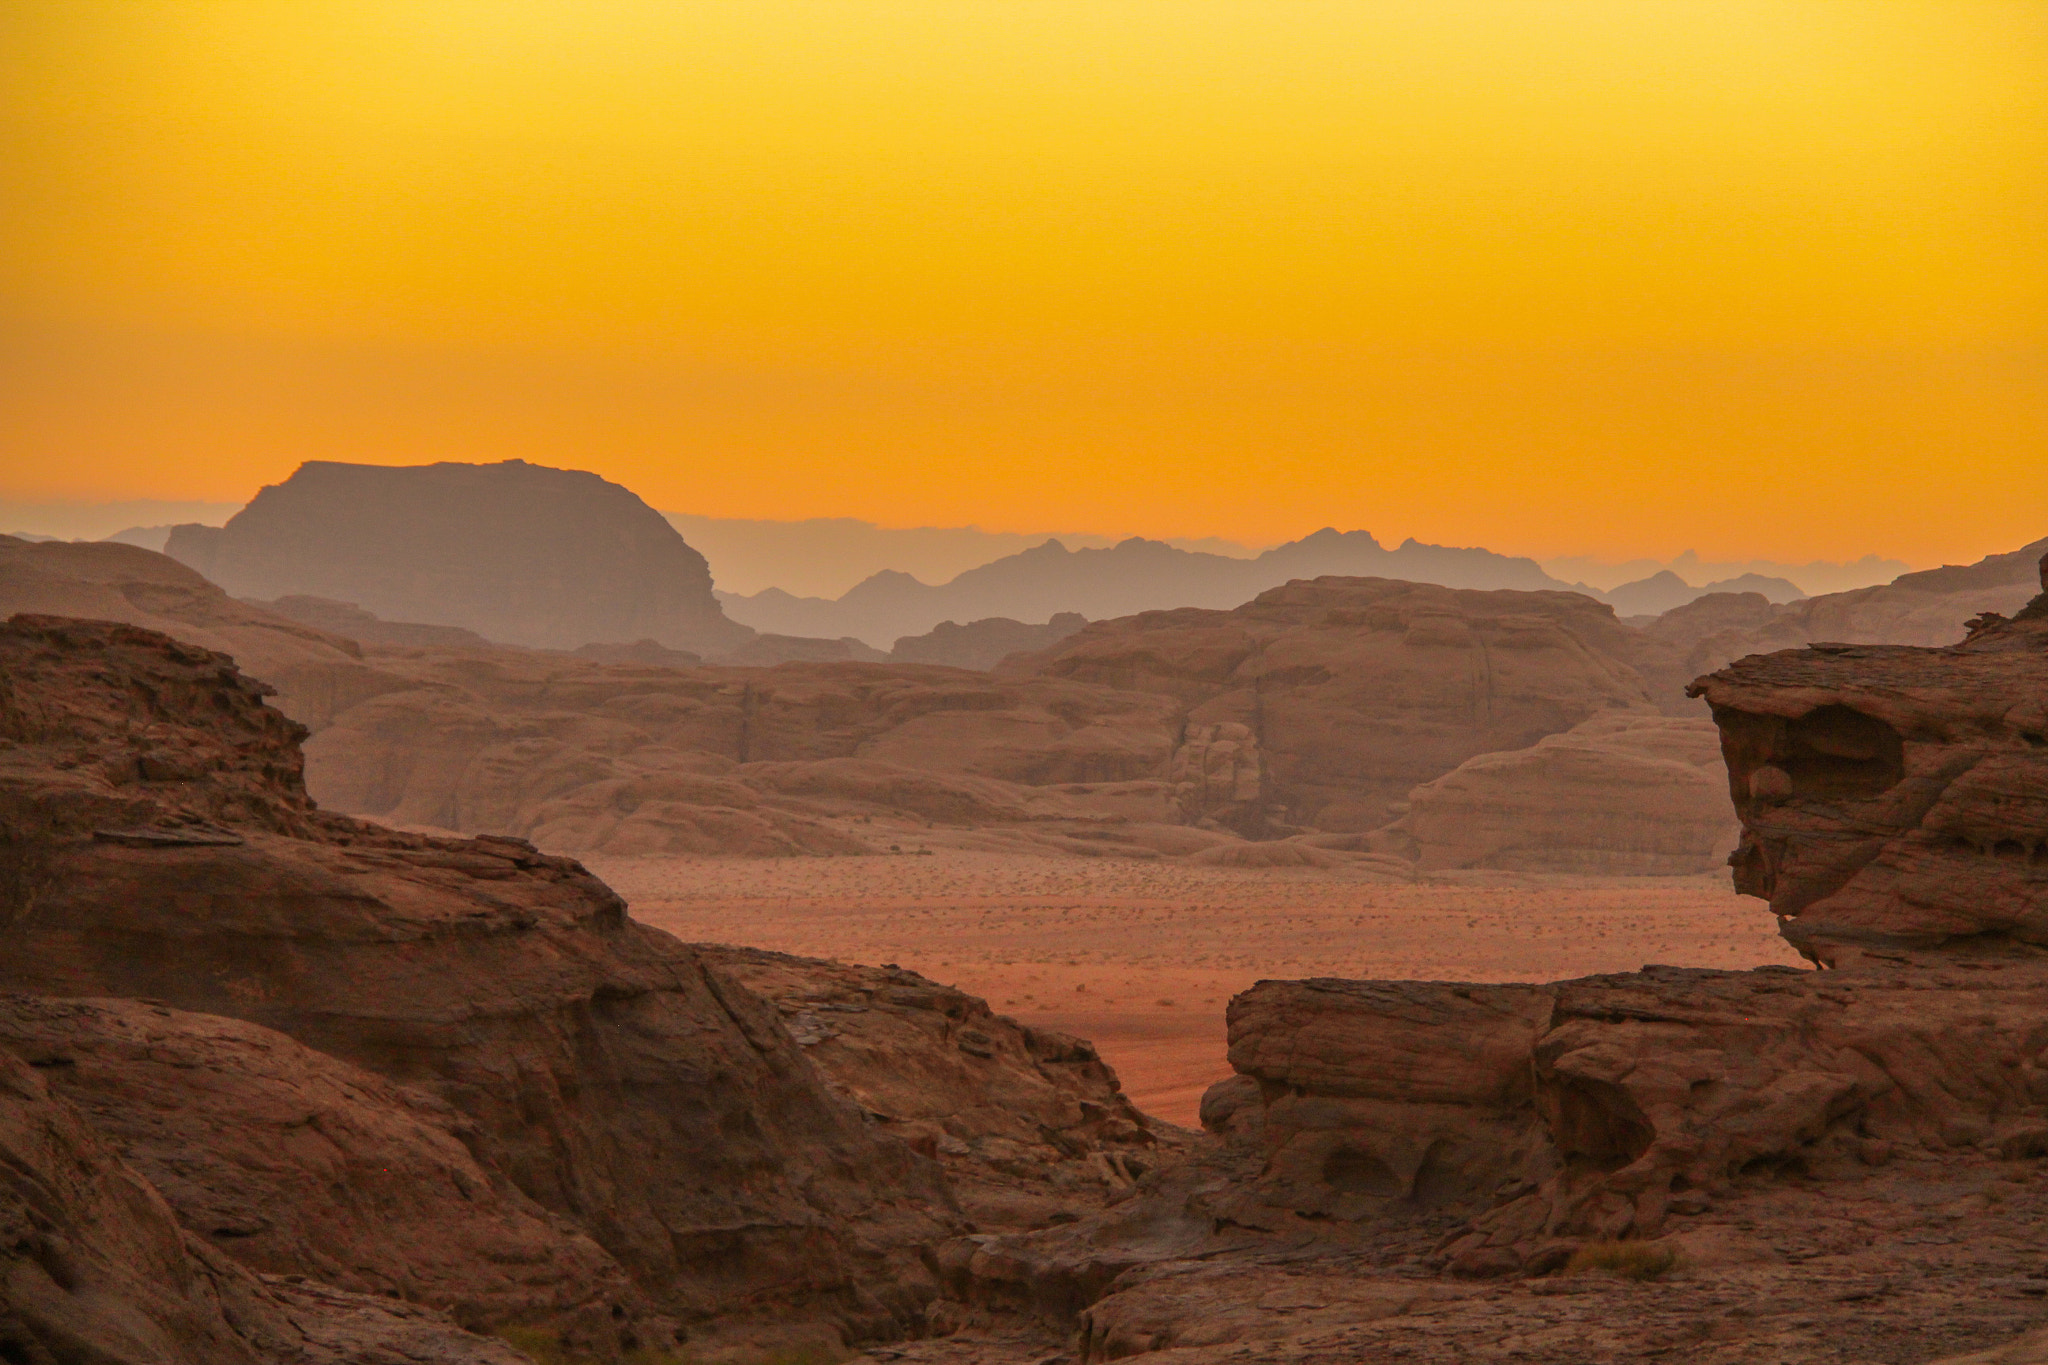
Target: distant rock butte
983,644
518,553
1626,794
1354,690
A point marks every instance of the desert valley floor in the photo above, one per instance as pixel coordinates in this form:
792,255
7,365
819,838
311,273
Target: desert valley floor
1142,957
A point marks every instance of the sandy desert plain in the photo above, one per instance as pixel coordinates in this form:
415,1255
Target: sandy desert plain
1142,957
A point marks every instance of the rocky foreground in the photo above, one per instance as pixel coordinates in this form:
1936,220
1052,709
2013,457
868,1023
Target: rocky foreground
276,1084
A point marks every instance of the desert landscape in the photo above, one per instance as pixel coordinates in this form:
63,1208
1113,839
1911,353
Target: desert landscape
961,684
1141,958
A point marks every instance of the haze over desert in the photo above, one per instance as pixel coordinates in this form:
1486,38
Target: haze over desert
946,682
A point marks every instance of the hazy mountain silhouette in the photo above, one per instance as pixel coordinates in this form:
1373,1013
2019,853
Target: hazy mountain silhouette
517,552
1666,591
1133,576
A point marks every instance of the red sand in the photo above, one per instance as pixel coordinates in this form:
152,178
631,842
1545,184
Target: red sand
1142,957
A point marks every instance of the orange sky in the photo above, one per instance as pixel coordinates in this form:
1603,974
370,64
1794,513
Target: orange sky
1554,276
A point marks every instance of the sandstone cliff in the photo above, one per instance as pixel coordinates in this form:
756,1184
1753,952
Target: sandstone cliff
94,1270
983,644
158,843
516,552
1353,691
1624,794
1894,795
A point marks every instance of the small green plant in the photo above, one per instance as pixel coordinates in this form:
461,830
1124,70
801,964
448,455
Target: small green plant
1623,1260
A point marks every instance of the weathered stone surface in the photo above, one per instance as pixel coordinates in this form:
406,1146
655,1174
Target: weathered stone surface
94,1270
1029,1125
1357,689
322,672
296,1163
624,759
1893,795
516,552
1619,794
608,1073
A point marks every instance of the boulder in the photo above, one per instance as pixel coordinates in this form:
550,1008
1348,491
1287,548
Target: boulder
158,844
516,552
1354,690
1627,794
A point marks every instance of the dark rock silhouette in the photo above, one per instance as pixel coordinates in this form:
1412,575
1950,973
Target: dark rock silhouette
518,553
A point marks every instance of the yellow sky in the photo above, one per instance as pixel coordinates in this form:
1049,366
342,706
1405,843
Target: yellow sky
1555,276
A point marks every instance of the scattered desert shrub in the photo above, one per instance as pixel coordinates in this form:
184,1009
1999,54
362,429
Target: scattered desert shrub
1623,1260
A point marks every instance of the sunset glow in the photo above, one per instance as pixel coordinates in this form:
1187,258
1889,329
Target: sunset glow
1580,276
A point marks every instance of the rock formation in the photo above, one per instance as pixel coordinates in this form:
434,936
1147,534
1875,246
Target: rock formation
757,761
1029,1125
322,672
293,1162
516,552
1926,608
93,1268
1893,795
158,844
1623,794
983,644
1356,690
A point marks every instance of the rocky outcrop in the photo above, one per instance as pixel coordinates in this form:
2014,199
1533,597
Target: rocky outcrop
319,672
350,621
516,552
158,844
294,1162
95,1271
1029,1125
766,651
1356,690
983,644
1926,608
1626,794
1892,795
800,758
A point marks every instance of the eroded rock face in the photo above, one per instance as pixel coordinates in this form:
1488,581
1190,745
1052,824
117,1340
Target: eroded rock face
293,1162
1893,796
1628,794
983,644
94,1269
1357,689
604,1069
622,759
322,672
516,552
1029,1125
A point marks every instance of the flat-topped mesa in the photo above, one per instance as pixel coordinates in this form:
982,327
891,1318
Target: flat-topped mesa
1894,796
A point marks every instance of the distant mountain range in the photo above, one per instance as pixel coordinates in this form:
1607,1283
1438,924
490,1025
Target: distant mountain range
1132,576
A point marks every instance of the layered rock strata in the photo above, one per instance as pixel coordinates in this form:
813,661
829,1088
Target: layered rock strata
1357,689
158,843
94,1270
1626,794
1893,796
